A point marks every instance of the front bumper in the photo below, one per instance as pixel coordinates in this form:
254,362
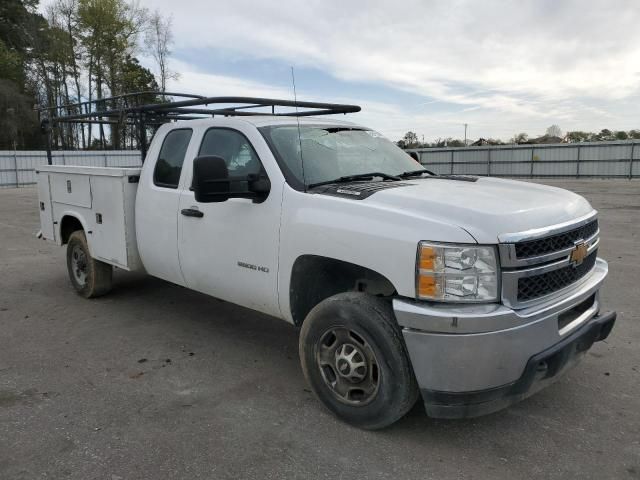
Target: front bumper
475,359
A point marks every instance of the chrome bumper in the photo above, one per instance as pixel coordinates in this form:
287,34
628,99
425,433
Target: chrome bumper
474,348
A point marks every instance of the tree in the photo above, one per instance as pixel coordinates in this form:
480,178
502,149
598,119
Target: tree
634,134
18,121
604,135
11,65
158,40
621,135
578,136
110,30
454,142
554,131
520,138
410,140
82,50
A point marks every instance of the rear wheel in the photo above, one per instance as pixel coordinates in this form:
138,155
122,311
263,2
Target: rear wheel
90,277
354,358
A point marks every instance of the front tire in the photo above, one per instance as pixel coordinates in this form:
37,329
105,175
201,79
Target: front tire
90,277
354,358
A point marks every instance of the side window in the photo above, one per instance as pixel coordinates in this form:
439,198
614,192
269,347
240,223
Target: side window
234,147
169,164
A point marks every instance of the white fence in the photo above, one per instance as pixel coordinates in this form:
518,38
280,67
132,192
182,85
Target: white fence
17,168
595,159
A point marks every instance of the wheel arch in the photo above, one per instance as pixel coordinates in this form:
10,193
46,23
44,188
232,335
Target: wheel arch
315,278
69,223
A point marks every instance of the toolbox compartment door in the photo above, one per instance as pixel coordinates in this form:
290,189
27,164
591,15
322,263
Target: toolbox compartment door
45,207
71,189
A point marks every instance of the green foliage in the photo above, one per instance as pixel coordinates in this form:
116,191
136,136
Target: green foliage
135,78
15,19
11,65
634,134
18,121
410,140
578,136
83,50
622,135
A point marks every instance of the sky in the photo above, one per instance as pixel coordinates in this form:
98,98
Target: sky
502,67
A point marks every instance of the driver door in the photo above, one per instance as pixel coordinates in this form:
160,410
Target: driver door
229,249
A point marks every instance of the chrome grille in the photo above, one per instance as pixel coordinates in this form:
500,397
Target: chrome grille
530,288
543,246
538,264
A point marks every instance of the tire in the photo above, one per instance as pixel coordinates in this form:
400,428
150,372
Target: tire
355,360
90,277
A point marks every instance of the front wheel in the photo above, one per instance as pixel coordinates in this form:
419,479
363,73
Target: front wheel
90,277
354,358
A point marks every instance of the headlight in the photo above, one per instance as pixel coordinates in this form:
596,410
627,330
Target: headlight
456,273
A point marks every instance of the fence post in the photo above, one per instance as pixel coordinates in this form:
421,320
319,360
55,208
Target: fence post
488,162
532,156
631,161
452,162
578,163
105,159
15,159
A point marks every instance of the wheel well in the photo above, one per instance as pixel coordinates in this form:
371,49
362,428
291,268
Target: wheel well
68,225
314,278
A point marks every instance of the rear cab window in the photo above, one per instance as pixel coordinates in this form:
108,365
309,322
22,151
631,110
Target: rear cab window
168,167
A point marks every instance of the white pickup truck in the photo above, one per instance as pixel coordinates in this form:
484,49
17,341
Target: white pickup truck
471,292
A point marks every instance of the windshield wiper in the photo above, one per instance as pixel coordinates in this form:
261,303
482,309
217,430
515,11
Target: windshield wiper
415,173
352,178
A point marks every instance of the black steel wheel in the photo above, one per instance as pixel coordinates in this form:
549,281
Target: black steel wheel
354,358
348,366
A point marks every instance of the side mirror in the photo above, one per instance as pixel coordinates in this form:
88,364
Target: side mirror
211,182
210,179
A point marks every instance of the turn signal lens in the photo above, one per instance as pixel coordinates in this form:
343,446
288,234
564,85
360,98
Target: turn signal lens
456,273
427,286
427,257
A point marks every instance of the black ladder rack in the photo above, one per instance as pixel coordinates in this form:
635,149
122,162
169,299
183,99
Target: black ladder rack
135,110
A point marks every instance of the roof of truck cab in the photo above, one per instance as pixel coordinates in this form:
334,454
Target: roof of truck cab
268,120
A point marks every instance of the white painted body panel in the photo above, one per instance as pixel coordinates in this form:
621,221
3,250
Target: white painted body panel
232,232
85,192
380,232
485,208
156,220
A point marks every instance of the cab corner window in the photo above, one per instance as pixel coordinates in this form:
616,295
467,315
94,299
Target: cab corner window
234,148
169,165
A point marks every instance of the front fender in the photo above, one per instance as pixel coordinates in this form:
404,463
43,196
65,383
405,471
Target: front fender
362,232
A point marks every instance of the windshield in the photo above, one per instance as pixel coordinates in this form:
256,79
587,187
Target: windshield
331,152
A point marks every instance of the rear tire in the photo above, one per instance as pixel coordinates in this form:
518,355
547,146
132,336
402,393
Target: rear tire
354,358
90,277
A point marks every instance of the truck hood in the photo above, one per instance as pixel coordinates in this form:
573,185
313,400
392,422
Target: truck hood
486,208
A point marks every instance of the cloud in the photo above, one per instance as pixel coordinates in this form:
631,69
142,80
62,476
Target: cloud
537,47
501,66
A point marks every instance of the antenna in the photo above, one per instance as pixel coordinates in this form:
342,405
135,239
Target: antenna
295,99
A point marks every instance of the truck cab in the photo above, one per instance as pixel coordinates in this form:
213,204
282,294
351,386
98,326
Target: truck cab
471,293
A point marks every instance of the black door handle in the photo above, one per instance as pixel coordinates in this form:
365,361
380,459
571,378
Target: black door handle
191,212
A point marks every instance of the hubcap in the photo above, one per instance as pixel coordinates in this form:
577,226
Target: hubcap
348,366
79,265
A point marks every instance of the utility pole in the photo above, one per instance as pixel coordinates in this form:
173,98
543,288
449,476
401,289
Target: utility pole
465,134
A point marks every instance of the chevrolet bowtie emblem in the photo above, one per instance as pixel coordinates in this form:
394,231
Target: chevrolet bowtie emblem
579,253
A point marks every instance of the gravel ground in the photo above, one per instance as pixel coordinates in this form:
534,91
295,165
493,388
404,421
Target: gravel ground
155,381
